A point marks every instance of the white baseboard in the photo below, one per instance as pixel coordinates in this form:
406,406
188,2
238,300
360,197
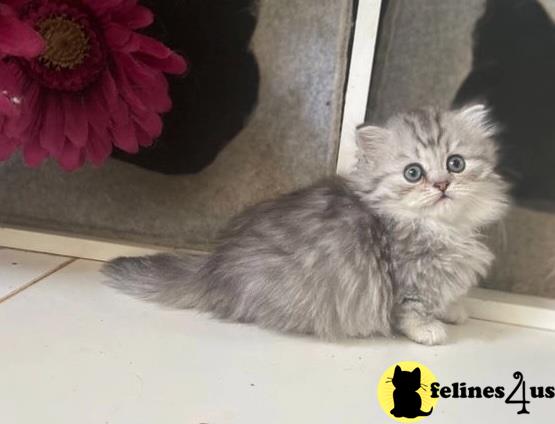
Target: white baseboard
511,308
71,246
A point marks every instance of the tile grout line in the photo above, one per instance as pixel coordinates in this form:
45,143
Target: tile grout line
37,279
40,252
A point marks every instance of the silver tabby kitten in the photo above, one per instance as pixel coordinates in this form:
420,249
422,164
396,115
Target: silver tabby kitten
390,248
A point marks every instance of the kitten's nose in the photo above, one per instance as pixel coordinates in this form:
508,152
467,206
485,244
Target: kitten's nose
442,185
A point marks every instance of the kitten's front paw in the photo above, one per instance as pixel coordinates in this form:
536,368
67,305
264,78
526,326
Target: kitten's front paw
455,314
429,333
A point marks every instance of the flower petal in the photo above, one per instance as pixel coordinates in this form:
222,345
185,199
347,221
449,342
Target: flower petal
110,90
97,112
136,18
104,6
71,157
10,90
51,135
151,123
76,120
143,138
120,38
15,4
126,88
30,113
7,106
98,148
123,130
167,60
7,147
159,56
141,86
18,38
34,154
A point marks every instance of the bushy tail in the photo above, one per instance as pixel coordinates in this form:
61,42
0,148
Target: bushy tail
164,278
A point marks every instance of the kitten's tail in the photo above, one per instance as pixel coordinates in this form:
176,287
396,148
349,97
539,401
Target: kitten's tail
164,278
425,414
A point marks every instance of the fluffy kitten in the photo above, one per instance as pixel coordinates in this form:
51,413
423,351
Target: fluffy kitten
390,248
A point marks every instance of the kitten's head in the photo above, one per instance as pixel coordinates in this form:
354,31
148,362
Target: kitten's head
407,380
432,164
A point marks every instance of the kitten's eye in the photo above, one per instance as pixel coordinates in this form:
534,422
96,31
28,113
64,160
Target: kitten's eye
455,163
413,173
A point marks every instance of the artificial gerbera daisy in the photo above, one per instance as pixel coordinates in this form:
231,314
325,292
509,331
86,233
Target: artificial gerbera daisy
98,83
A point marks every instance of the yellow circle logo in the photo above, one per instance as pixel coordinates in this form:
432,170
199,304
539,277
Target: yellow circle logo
404,392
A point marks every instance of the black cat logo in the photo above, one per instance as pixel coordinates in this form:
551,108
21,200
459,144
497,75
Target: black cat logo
407,401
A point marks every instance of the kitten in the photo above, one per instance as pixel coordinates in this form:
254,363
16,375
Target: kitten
389,248
406,399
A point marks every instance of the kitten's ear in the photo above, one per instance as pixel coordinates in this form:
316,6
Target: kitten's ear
478,116
370,138
397,370
476,113
416,372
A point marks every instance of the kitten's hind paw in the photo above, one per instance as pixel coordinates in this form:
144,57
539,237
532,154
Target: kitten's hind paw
428,333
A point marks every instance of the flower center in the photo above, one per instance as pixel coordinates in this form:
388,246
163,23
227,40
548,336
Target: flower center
67,44
76,52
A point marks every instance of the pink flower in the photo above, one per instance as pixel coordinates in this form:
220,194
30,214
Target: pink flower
98,83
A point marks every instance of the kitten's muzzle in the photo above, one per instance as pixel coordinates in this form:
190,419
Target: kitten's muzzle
442,185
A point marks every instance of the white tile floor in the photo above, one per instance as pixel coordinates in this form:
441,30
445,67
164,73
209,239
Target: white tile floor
74,351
